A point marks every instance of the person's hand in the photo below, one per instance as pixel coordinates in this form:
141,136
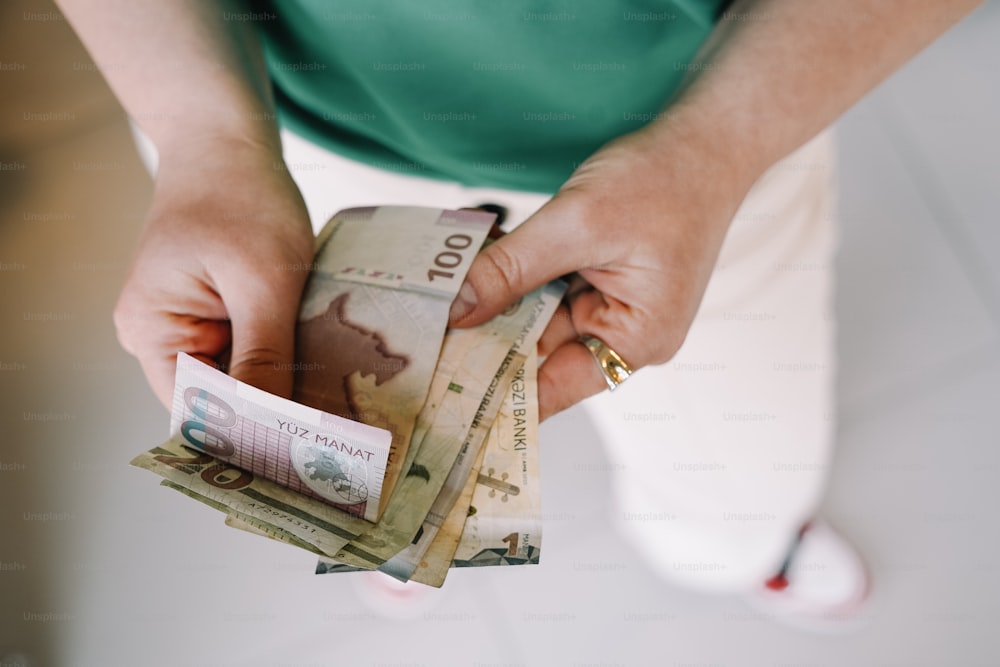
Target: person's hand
640,223
220,267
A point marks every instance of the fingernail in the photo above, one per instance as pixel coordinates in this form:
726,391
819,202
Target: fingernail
464,303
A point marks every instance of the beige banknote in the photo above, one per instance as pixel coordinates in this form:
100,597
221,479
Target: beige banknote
242,522
478,518
418,488
312,521
263,530
405,563
374,313
441,465
407,560
433,565
504,524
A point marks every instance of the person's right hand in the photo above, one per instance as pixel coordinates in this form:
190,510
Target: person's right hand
220,267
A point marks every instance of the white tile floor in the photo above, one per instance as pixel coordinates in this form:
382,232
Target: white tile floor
127,573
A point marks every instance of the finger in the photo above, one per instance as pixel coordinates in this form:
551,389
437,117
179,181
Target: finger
571,373
159,372
559,330
568,376
530,256
263,311
636,335
202,339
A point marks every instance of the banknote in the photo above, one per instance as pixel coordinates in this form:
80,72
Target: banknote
459,344
538,315
230,489
417,490
441,465
497,517
261,529
242,521
319,455
433,564
493,502
504,524
374,313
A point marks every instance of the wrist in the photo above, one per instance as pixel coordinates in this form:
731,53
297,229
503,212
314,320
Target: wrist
213,150
733,154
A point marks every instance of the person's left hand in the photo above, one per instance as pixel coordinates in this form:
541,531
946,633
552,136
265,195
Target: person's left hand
640,223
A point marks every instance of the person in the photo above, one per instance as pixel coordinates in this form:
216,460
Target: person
670,156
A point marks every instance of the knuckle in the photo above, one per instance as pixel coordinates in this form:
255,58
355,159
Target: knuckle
257,358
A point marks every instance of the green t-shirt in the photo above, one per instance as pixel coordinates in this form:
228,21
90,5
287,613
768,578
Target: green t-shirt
505,93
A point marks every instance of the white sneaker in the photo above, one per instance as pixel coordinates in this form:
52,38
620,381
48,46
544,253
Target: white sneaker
823,586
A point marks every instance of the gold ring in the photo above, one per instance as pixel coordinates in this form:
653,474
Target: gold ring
612,366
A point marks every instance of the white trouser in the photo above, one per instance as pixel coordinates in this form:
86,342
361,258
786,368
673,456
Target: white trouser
721,454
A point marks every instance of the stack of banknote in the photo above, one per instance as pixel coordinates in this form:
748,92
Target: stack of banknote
408,447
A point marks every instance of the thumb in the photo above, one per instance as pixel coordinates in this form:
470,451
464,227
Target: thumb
263,335
519,262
